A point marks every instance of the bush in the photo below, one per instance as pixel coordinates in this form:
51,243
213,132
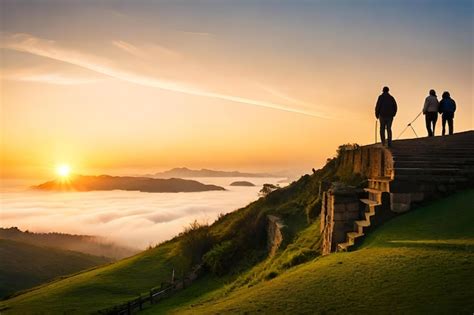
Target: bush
196,241
220,257
270,275
313,209
300,257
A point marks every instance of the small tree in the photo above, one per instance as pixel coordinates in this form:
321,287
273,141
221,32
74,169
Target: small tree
267,188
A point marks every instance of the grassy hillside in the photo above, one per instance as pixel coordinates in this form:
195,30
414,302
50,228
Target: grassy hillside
420,262
24,265
241,233
88,244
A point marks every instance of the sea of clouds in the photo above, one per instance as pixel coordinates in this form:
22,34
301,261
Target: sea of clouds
128,218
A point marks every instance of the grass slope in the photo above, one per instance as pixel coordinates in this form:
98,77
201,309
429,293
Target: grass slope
420,262
121,281
97,288
23,266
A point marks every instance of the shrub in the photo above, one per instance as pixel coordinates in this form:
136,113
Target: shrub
300,257
196,241
220,257
270,275
313,209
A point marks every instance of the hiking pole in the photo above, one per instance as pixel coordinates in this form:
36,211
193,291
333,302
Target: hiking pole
409,125
375,130
413,130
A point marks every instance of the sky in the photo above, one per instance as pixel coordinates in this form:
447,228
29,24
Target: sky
123,87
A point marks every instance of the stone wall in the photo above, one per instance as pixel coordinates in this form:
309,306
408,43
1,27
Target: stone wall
340,208
369,161
274,234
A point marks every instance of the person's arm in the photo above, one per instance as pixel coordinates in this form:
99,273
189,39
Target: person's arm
395,107
441,105
454,103
377,108
425,107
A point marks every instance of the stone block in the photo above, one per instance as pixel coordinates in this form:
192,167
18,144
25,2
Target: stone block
400,198
353,206
400,207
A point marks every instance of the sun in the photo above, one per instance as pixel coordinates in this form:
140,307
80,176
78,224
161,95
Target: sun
63,170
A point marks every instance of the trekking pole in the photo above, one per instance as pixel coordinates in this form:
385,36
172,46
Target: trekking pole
375,130
409,125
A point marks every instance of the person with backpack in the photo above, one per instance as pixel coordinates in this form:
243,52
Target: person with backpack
447,107
385,110
430,110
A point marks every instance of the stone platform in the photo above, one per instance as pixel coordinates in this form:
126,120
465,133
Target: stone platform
398,178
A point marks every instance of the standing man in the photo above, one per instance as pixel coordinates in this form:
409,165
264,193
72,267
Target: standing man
447,107
385,110
430,110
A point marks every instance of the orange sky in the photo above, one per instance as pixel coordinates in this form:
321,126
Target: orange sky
247,87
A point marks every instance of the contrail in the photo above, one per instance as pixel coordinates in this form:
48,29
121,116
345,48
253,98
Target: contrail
49,49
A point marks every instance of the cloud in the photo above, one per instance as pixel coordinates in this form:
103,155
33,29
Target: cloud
146,52
129,218
50,78
50,49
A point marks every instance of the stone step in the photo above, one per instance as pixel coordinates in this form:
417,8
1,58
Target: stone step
433,164
374,194
413,171
373,191
433,159
369,202
343,247
360,225
367,215
352,236
432,155
431,178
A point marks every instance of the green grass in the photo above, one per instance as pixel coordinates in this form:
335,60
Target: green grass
420,262
101,287
23,266
124,280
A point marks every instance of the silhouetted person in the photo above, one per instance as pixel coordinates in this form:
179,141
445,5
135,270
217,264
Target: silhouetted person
447,107
430,110
385,110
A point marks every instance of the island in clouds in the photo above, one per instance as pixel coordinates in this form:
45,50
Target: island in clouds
181,172
143,184
242,183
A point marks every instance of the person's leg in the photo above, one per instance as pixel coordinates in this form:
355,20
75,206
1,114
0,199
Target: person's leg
389,131
428,123
451,123
382,130
434,118
443,123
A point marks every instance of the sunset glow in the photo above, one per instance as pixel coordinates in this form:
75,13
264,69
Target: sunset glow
63,170
280,91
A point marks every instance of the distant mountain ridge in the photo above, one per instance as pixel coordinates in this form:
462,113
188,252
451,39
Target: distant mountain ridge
86,244
181,172
143,184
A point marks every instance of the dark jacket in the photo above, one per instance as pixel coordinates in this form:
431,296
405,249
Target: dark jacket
447,105
386,106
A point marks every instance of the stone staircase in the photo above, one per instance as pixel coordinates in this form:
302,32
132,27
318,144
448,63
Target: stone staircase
413,171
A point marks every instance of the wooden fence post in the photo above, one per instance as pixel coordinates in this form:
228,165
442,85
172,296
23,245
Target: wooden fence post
151,296
140,302
129,308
